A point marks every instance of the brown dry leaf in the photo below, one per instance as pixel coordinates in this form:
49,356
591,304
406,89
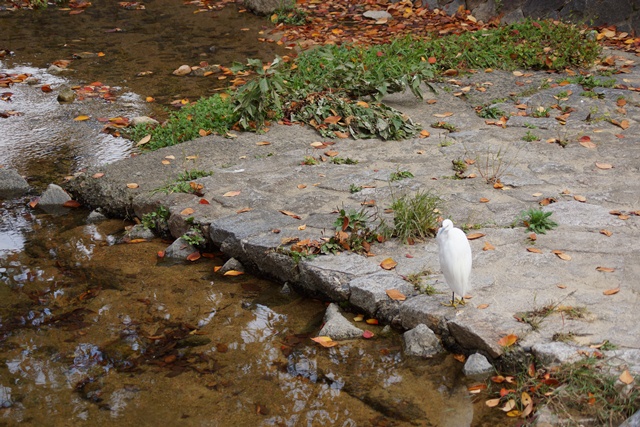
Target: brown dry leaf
475,389
98,175
332,119
521,106
482,306
606,269
498,185
612,291
587,144
217,268
460,358
623,217
474,236
511,403
484,200
580,198
561,286
187,211
443,115
243,210
325,341
233,273
302,227
371,321
396,295
132,185
562,255
165,162
144,140
488,247
291,214
533,237
431,101
231,194
604,165
331,153
301,186
137,241
492,403
388,264
194,256
263,143
508,340
534,250
626,377
518,73
317,144
82,118
424,133
606,232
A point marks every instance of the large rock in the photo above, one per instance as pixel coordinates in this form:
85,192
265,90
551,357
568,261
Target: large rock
54,195
556,353
179,250
421,341
337,327
12,184
370,292
267,7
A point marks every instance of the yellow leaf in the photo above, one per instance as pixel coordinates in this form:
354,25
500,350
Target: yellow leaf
424,133
525,398
187,211
325,341
82,118
606,232
132,185
508,340
144,140
626,377
302,227
388,264
396,295
372,321
358,318
233,273
514,413
562,255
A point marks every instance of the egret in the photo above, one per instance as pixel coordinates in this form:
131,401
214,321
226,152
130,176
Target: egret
455,259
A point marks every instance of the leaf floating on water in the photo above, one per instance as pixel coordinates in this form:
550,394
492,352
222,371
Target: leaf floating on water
367,334
372,321
396,295
325,341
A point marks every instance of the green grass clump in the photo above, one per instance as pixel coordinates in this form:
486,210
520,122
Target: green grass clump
182,184
536,220
415,217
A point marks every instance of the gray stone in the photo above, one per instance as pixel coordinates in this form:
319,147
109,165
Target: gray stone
200,72
477,366
574,213
95,216
628,357
12,184
337,327
421,341
369,292
425,309
557,353
632,421
55,70
66,95
232,264
179,250
377,14
54,195
143,120
139,231
267,7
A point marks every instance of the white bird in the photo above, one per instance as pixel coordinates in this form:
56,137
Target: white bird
455,259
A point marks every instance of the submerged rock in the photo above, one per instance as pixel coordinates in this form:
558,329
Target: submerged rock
66,95
337,326
232,264
421,341
139,231
54,195
477,366
179,249
5,397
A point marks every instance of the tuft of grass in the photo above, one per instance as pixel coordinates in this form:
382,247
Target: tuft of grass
353,188
416,280
416,217
536,220
183,183
494,165
489,112
343,161
399,175
530,137
540,112
310,161
590,81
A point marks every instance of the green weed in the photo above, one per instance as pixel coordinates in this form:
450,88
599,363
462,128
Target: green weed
416,217
536,220
399,175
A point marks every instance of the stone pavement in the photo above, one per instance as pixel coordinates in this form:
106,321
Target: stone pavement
506,280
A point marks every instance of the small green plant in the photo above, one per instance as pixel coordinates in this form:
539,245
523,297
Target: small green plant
592,94
355,188
562,96
489,112
460,167
416,217
540,112
445,142
194,237
343,161
590,81
310,161
530,137
536,220
494,165
444,125
399,175
289,16
530,126
184,183
416,280
352,232
156,220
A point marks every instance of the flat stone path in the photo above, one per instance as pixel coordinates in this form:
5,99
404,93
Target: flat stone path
507,278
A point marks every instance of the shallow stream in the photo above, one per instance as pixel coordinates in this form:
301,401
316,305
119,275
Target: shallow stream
93,331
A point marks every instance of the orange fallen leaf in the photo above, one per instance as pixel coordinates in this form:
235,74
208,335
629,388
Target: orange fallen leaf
291,214
231,194
71,204
233,273
460,358
204,202
332,119
388,264
194,256
82,118
626,377
604,165
325,341
606,269
475,389
474,236
425,133
160,254
482,306
132,185
580,198
372,321
488,247
367,334
97,175
534,250
396,295
243,210
562,255
498,185
491,403
612,291
331,153
484,200
606,232
263,143
508,340
137,241
217,268
187,211
561,286
442,115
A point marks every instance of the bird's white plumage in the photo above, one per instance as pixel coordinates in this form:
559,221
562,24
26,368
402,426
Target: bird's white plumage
455,257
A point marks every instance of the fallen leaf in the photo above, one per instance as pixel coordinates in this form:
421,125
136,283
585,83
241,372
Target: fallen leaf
482,306
606,232
302,227
534,250
325,341
460,358
511,403
442,115
372,321
233,273
612,291
604,165
291,214
98,175
132,185
561,286
475,389
332,119
533,237
580,198
396,295
488,247
425,133
71,204
204,202
367,334
160,254
474,236
263,143
331,153
562,255
82,118
194,256
623,217
626,377
388,264
187,211
484,200
491,403
606,269
508,340
498,185
231,194
243,210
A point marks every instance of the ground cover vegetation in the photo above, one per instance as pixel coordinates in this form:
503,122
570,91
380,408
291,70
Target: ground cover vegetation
337,89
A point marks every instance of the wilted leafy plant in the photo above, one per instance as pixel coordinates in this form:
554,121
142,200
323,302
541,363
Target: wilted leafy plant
536,220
